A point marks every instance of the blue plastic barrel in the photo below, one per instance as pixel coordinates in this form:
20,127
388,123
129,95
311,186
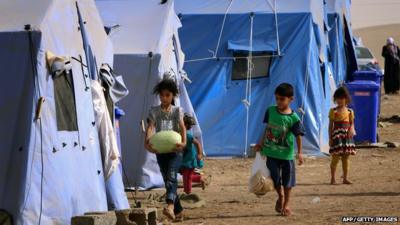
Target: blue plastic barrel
365,97
375,76
368,75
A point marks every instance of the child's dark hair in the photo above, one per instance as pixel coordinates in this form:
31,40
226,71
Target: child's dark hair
189,120
285,90
341,93
166,84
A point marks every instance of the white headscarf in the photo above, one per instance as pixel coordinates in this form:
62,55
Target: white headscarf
390,41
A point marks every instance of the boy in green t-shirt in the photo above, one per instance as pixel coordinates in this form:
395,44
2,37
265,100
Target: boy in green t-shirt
277,143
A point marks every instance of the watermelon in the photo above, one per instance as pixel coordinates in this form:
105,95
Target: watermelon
165,141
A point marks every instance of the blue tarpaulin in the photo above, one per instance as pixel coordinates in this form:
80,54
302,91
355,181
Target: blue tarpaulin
217,98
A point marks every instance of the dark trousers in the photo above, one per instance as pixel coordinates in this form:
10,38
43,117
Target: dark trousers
169,166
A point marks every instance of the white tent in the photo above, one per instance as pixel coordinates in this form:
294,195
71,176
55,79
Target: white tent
51,167
145,37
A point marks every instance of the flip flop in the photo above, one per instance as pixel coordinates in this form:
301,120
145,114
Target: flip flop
278,206
179,217
169,213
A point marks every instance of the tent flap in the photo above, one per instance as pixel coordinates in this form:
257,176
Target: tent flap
257,46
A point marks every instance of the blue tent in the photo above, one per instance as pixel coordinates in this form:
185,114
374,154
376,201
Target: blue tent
341,43
217,35
51,167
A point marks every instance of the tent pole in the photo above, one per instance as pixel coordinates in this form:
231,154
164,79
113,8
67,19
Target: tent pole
247,101
277,29
36,84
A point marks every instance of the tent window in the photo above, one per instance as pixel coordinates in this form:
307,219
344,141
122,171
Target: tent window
65,102
261,64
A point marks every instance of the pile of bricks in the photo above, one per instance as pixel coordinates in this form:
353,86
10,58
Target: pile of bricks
139,216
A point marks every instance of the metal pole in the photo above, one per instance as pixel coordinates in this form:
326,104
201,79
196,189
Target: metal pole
277,29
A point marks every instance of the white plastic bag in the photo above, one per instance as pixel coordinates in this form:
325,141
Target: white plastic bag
260,180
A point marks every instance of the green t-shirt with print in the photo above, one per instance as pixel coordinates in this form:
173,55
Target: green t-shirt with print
280,134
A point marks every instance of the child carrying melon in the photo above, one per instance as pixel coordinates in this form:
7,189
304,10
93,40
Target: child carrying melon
167,117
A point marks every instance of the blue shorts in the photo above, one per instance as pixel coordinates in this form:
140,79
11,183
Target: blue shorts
283,172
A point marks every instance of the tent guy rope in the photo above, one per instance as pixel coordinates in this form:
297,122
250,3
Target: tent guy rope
247,100
222,29
215,53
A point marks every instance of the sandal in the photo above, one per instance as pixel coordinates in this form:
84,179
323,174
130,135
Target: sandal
179,217
278,206
286,212
169,213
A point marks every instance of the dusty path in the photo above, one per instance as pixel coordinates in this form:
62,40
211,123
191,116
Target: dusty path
375,192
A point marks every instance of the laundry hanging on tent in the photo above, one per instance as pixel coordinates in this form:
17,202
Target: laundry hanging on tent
116,86
108,141
57,64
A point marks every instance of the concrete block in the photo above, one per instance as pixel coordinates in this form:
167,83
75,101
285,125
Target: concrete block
95,218
123,217
137,216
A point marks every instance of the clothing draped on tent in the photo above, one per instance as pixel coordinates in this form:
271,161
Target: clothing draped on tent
51,171
108,141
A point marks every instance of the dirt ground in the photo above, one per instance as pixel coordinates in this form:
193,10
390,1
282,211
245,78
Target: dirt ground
375,192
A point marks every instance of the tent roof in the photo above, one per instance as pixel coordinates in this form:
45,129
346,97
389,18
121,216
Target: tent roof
143,24
243,6
15,14
315,7
338,6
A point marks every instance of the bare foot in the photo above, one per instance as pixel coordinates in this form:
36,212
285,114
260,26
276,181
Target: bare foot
345,181
286,212
205,182
333,181
169,212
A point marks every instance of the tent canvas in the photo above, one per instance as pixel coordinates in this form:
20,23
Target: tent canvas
147,46
209,29
341,43
49,174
